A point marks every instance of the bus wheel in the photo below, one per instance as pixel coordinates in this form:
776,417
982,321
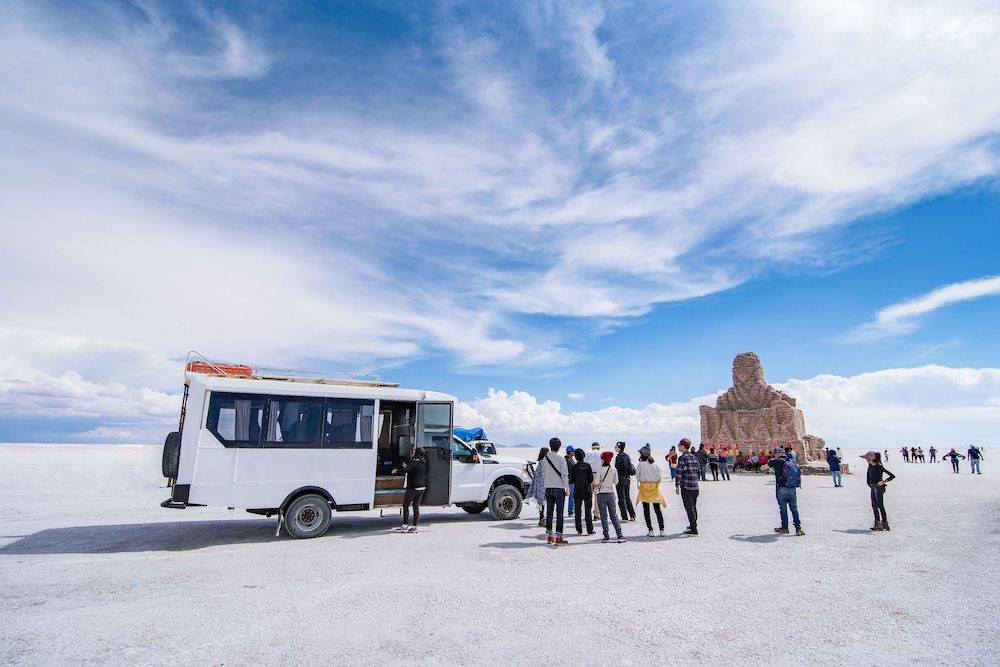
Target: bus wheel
307,516
505,502
474,508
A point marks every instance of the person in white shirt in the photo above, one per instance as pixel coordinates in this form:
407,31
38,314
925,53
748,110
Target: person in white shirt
594,459
605,481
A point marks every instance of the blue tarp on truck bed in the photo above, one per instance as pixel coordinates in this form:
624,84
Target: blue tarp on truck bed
470,434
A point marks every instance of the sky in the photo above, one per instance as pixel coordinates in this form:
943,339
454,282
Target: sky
571,216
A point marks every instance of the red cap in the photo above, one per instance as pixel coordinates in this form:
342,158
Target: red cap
606,457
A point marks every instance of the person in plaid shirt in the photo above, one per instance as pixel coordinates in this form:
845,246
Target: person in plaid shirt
686,484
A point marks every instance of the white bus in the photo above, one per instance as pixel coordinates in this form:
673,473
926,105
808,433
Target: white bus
301,447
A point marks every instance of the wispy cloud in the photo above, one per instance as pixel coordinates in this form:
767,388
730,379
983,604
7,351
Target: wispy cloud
904,317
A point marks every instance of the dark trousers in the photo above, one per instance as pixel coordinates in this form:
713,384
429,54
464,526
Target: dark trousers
412,497
585,506
878,502
554,504
715,471
690,499
659,515
625,506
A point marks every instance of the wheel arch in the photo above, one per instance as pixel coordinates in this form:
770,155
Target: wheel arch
305,490
508,478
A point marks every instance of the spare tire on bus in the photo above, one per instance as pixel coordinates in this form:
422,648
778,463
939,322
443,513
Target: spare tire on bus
171,454
505,502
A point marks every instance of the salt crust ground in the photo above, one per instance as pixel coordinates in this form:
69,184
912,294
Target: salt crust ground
93,571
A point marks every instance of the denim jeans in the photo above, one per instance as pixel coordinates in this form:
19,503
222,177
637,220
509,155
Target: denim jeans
606,504
724,468
836,474
554,505
702,467
787,500
975,465
571,503
673,473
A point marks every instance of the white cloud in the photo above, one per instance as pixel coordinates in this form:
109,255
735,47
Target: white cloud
576,396
927,404
904,317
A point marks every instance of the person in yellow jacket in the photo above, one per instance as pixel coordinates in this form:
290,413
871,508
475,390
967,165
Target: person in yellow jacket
648,474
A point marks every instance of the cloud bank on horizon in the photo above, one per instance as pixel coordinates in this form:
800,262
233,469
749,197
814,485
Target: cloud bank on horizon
487,187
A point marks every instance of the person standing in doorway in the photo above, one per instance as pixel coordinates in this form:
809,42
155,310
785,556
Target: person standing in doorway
582,483
876,483
834,462
650,476
975,456
625,469
538,485
954,456
787,480
686,484
932,451
556,490
416,484
605,483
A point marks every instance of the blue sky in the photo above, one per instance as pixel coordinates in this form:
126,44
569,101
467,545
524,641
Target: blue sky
570,215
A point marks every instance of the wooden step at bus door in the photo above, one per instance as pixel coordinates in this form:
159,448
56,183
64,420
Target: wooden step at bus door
389,491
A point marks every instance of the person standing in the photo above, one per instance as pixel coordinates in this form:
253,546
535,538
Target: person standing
975,456
834,462
570,462
556,490
913,454
538,485
932,451
702,457
920,454
625,469
594,459
605,483
416,484
724,464
787,480
713,464
885,455
876,483
582,483
686,484
906,454
649,476
954,456
672,462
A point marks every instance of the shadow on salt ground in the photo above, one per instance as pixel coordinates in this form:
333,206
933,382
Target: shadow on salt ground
756,539
191,535
855,531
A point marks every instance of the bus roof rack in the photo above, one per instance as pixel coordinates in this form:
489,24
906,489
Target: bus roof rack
198,363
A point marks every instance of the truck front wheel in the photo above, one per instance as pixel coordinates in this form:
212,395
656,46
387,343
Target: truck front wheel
505,502
308,516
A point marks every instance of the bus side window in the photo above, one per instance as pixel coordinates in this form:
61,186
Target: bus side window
294,422
236,419
348,423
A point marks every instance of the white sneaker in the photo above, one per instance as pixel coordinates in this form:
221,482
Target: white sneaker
663,533
401,529
411,529
649,534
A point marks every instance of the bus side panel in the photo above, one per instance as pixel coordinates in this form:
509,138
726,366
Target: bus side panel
191,435
348,474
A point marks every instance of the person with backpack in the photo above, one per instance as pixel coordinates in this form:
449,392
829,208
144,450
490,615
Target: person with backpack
625,470
537,490
833,461
686,484
975,456
556,490
876,483
650,477
954,456
416,484
787,480
582,485
605,483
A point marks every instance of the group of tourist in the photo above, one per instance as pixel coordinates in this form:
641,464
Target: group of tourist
974,455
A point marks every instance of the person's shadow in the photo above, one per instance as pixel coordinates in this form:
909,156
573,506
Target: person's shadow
756,539
854,531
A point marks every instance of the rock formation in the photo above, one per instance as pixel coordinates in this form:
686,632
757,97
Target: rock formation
755,415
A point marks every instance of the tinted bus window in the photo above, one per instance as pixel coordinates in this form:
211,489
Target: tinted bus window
236,419
348,423
294,421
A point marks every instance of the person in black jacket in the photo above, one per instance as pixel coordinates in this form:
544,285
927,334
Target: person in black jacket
833,461
581,478
877,485
416,484
623,464
702,456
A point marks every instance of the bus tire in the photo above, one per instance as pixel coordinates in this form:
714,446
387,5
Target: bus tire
171,454
474,508
308,516
505,502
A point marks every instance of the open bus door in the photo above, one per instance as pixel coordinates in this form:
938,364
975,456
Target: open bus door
433,433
